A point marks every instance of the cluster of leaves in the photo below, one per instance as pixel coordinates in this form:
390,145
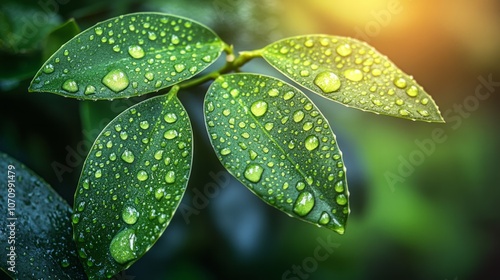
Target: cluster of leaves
266,132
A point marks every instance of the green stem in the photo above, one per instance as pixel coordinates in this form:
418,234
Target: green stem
232,64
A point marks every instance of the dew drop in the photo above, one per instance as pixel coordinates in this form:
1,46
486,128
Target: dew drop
98,173
158,155
207,58
304,73
253,173
304,204
311,142
225,151
269,126
424,113
122,247
159,193
136,51
404,112
130,215
307,126
123,135
412,91
309,43
48,68
170,177
300,186
98,31
298,116
152,36
284,50
179,67
70,86
339,186
288,95
142,175
149,75
170,117
344,50
273,92
144,124
75,219
174,39
128,156
259,108
116,80
400,83
170,134
327,81
354,75
341,199
89,90
65,263
324,218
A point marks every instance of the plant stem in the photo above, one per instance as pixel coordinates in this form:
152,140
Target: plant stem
232,64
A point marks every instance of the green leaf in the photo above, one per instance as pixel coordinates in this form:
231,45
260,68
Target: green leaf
36,233
274,140
353,73
131,184
128,56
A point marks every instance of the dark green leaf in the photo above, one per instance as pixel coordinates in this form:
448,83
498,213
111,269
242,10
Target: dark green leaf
352,73
129,56
36,233
131,184
274,140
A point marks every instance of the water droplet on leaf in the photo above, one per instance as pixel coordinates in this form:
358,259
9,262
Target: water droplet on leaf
311,142
70,86
304,204
354,75
327,81
253,173
259,108
130,215
122,247
142,175
116,80
344,50
136,51
128,156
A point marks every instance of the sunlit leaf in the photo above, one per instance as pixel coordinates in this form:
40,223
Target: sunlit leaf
128,56
131,184
352,73
273,139
36,233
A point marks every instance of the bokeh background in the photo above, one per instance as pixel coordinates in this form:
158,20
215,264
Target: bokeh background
438,221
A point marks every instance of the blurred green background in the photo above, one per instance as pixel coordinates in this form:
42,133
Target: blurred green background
418,211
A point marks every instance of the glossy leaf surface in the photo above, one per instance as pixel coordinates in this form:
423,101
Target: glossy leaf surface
36,232
131,184
353,73
128,56
274,140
